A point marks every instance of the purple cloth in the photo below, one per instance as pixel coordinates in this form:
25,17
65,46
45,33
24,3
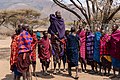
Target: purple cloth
90,46
56,26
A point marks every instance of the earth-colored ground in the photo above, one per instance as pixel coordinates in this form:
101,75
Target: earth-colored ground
6,74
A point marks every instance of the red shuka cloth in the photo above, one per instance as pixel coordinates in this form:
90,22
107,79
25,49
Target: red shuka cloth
114,45
44,49
14,51
33,44
82,36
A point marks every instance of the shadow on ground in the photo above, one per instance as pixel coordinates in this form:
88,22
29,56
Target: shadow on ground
8,77
40,74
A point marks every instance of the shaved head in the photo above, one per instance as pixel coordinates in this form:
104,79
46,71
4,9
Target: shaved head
58,14
115,27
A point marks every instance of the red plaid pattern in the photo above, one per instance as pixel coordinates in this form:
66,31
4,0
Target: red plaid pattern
103,45
33,53
14,51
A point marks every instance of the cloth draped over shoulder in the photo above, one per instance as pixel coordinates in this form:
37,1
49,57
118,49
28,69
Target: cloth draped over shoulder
24,48
114,45
104,47
97,46
56,26
72,50
45,50
82,36
24,42
33,44
90,46
14,52
114,48
103,44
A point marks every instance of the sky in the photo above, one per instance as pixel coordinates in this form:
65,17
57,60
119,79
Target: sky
84,3
68,1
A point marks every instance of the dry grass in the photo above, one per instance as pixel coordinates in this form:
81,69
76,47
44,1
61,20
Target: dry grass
3,37
5,32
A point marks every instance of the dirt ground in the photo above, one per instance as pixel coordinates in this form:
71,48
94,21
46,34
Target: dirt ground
6,74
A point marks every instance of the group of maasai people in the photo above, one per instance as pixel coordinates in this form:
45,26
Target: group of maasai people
99,50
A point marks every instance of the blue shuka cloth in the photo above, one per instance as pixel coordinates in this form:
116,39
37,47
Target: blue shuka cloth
115,62
96,52
72,53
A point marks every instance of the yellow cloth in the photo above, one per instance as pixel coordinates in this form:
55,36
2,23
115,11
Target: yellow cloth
107,57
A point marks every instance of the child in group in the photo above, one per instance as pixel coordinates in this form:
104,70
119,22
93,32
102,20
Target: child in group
45,52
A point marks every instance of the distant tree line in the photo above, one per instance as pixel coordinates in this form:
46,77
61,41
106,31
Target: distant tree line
15,17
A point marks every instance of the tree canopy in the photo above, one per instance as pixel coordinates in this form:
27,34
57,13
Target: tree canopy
15,17
94,11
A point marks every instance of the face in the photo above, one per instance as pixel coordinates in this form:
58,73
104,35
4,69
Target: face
58,14
98,29
66,32
45,34
31,32
114,28
103,32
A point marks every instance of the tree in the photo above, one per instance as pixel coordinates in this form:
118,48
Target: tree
15,17
97,10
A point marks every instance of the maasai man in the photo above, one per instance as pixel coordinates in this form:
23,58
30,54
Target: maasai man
89,48
114,48
24,50
105,58
14,54
97,49
72,51
45,52
33,53
57,31
82,35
